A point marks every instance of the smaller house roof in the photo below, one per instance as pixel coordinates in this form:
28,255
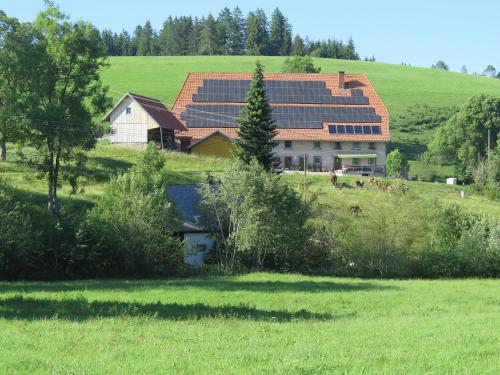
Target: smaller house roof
159,113
201,140
186,199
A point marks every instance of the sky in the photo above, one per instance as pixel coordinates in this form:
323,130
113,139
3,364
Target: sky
460,32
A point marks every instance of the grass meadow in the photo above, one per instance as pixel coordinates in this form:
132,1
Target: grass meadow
106,160
399,87
258,323
252,324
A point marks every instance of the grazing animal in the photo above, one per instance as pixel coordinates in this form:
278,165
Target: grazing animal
355,209
333,178
360,184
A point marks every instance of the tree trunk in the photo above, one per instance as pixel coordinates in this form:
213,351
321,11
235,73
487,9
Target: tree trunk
53,206
3,150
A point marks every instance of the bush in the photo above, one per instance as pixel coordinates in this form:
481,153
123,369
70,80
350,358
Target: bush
396,164
260,219
300,64
130,231
405,236
17,239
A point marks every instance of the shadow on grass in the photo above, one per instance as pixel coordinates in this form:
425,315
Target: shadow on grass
223,284
100,169
36,202
79,309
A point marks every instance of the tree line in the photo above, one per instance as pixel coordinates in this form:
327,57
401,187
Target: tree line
230,33
490,71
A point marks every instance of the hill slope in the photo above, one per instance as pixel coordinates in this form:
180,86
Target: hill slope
399,86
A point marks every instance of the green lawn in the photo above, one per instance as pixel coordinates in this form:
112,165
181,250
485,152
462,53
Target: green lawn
253,324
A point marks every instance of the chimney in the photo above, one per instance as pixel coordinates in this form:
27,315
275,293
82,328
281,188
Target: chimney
341,81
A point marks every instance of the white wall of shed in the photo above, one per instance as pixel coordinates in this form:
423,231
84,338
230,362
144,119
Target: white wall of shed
133,127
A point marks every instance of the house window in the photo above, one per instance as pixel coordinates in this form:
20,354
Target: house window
317,145
128,110
338,146
288,162
371,145
356,146
372,161
317,161
288,144
356,161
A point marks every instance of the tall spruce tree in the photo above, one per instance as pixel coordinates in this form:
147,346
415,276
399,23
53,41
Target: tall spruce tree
280,35
298,46
237,33
257,36
257,128
209,42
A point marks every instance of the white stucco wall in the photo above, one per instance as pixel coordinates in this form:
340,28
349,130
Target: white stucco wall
327,152
133,127
192,255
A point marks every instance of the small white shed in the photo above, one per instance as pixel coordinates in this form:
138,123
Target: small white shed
138,119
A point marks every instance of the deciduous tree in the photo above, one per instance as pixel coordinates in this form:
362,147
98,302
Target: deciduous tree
464,139
60,93
300,64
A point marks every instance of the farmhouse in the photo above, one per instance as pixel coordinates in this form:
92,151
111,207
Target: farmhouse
197,240
324,121
138,119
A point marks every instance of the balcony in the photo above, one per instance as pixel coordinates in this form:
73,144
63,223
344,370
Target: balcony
364,170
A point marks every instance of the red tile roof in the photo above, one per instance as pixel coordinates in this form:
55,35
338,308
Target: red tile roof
160,114
352,81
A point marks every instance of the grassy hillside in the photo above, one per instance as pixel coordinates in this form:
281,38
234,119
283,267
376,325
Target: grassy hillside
107,160
253,324
399,86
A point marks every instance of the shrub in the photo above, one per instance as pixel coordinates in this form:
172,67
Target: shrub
130,231
405,236
17,239
300,64
260,219
396,164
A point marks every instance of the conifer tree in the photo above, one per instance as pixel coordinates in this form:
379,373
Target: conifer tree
257,128
280,35
298,46
257,36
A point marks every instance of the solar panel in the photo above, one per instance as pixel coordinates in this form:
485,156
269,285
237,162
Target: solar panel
307,117
311,92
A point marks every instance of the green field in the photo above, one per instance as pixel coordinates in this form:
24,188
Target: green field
399,86
107,160
257,323
254,324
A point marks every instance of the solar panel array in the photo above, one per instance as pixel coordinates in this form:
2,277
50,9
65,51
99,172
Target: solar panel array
310,92
286,117
354,129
